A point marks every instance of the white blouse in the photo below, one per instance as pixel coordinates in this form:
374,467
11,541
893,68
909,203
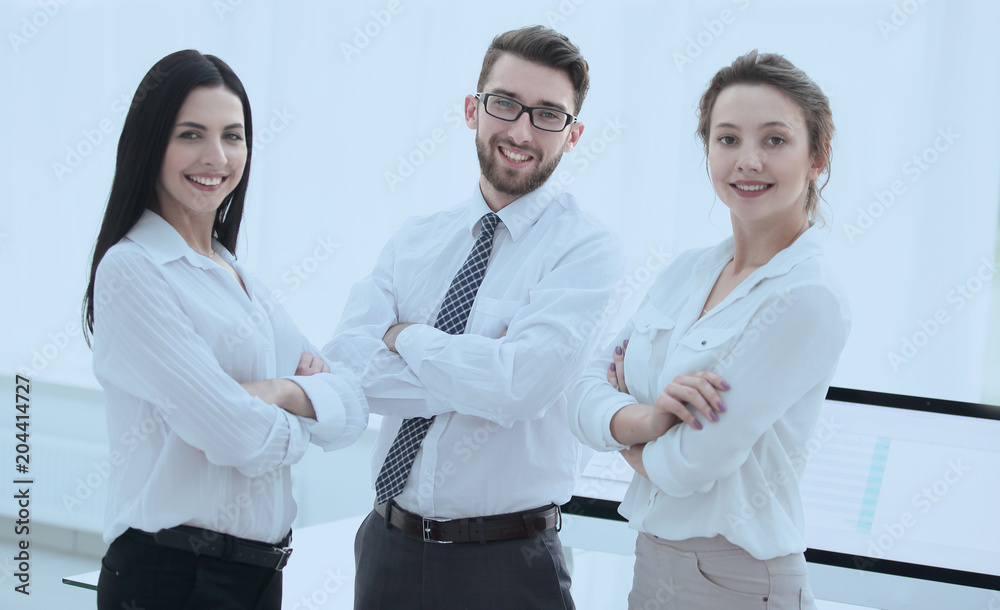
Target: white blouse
776,339
174,336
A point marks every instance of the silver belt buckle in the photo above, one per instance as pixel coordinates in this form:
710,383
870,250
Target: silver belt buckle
425,527
283,561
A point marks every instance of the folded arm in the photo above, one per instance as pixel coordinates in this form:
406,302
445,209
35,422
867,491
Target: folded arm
146,345
520,375
770,370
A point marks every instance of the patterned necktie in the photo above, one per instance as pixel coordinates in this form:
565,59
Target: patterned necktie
451,319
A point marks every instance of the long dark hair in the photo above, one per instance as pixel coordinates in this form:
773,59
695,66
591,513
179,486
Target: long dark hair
147,129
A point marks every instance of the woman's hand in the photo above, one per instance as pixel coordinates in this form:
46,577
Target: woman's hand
633,455
638,423
310,364
616,372
699,390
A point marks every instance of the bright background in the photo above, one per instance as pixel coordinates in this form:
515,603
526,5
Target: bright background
338,110
357,122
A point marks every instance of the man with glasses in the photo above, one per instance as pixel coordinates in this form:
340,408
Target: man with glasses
466,335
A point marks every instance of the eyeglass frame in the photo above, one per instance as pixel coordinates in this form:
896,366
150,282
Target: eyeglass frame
570,119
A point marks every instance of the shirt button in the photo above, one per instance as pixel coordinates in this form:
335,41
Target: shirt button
704,342
427,472
267,346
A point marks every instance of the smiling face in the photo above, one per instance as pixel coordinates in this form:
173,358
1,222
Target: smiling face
205,156
759,155
516,158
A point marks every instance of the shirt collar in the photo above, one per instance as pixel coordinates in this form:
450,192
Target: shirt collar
164,244
519,215
806,246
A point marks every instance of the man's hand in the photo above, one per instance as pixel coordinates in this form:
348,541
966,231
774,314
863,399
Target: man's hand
390,335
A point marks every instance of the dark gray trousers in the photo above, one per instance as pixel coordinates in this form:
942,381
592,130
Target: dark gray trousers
398,571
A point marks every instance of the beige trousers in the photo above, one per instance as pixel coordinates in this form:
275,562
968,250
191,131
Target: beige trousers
714,574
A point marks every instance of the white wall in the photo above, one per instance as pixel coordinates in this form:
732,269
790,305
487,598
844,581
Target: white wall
336,109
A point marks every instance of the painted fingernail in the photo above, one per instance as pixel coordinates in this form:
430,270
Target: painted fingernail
697,424
612,366
722,407
618,350
712,416
625,343
725,384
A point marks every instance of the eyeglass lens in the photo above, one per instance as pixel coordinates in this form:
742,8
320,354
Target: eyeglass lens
542,118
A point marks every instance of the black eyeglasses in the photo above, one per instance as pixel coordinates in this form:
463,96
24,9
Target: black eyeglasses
507,109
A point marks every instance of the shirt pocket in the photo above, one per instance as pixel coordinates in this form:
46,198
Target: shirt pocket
647,351
709,339
492,316
708,349
649,320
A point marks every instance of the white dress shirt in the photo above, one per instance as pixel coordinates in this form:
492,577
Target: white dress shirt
500,442
776,339
174,336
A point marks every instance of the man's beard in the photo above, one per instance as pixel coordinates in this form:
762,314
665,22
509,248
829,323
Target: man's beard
508,180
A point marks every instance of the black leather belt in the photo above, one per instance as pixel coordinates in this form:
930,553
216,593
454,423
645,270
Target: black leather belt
221,546
473,529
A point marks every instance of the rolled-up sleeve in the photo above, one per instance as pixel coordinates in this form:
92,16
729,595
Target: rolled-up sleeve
593,401
340,405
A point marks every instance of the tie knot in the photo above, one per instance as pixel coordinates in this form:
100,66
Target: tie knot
489,223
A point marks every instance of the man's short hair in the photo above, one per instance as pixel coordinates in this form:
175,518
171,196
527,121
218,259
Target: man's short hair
544,46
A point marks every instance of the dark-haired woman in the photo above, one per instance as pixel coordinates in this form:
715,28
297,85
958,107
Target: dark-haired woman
212,392
717,505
